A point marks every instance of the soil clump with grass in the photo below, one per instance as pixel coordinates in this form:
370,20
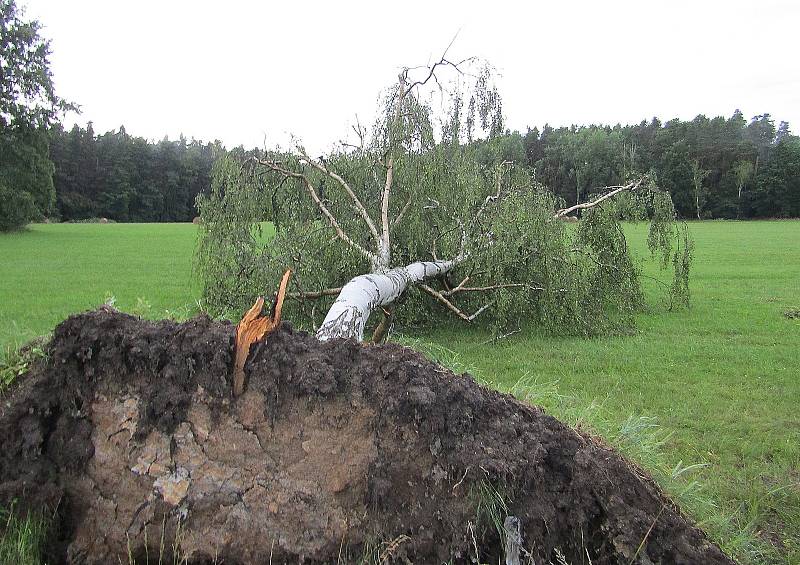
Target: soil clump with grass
127,433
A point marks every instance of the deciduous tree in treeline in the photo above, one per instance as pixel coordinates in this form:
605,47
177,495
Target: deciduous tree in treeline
698,179
28,105
777,191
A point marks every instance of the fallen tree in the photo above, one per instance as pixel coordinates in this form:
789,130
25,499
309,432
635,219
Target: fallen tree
416,204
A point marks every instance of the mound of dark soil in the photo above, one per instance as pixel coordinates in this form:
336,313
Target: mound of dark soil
335,452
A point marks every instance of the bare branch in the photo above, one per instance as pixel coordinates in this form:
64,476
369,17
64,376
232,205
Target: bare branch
443,296
314,295
402,213
438,296
360,132
452,307
442,62
461,288
592,203
479,311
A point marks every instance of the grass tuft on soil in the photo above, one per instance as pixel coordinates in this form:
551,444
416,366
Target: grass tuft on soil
21,538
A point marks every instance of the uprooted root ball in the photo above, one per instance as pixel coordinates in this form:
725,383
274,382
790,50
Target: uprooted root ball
335,452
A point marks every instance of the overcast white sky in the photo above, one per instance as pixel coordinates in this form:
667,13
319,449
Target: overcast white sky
245,71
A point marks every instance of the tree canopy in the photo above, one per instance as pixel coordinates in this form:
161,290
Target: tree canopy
28,105
430,182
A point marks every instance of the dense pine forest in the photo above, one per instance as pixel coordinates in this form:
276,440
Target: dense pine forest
713,168
126,178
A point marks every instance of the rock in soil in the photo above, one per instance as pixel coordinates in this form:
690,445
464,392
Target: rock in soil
129,435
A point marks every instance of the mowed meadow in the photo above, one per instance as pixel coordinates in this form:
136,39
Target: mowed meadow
706,399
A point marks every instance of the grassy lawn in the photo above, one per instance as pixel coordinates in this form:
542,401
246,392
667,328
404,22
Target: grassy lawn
721,382
707,399
50,271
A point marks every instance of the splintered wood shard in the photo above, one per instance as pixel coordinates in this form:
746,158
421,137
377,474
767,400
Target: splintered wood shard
253,328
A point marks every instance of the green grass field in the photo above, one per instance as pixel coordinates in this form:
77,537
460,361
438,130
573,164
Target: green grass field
50,271
708,399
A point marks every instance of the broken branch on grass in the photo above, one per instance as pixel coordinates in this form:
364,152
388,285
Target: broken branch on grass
499,337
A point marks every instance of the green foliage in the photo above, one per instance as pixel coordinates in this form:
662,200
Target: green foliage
26,181
27,96
777,185
22,539
14,362
681,262
28,104
455,191
571,161
611,280
232,235
660,234
17,207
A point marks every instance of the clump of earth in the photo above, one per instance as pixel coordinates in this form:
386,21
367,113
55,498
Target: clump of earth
127,434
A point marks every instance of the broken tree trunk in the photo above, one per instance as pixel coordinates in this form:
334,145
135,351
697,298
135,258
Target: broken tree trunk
349,314
252,328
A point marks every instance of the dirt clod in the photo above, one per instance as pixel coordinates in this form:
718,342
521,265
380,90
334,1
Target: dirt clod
335,451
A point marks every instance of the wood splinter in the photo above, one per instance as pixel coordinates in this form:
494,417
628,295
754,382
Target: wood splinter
252,328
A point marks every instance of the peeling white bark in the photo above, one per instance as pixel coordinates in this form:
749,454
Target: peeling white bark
349,314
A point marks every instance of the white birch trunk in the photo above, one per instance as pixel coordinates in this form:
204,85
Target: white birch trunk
349,314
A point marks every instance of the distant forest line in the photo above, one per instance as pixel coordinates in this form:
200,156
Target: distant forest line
713,168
